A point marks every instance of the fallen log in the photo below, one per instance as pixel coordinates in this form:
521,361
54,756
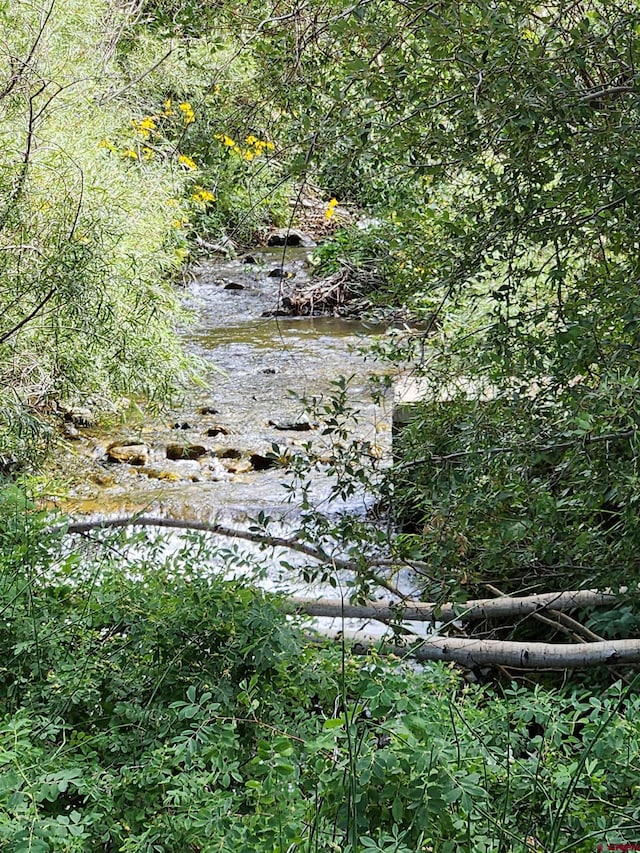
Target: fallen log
473,610
465,651
471,652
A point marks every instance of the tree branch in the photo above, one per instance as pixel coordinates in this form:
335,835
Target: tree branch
316,553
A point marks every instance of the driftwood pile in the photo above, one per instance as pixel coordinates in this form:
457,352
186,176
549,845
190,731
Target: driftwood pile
343,293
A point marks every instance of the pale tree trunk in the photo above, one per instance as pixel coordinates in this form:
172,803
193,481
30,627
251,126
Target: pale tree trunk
467,611
470,652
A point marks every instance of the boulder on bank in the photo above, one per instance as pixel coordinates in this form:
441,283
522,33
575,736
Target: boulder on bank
79,416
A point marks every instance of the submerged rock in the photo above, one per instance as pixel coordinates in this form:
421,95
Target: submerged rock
70,432
290,237
227,453
161,474
294,426
237,466
133,453
217,429
260,462
208,410
189,470
185,451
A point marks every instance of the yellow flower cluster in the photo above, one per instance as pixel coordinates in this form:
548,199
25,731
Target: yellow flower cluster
187,162
256,147
330,212
253,147
188,115
201,196
145,126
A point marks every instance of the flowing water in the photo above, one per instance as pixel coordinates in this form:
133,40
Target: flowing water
252,363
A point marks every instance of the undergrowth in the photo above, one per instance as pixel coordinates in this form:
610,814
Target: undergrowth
150,705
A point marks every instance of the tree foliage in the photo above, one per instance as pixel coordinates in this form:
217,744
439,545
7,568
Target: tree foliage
498,143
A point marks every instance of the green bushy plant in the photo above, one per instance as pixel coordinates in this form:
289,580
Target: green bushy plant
148,705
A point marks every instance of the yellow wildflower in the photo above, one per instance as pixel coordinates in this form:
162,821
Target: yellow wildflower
330,212
226,140
130,152
168,110
144,126
251,139
104,143
202,196
184,160
147,153
188,115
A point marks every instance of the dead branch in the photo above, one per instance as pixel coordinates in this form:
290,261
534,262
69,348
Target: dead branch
469,611
315,552
470,652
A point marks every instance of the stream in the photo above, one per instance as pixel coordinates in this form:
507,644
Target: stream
224,430
206,459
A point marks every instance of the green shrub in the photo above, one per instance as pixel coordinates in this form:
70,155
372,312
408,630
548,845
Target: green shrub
148,705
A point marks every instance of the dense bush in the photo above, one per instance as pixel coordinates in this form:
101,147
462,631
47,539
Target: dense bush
148,705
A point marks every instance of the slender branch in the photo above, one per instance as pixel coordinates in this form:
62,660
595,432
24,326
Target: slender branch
24,63
29,316
315,552
111,97
611,92
495,451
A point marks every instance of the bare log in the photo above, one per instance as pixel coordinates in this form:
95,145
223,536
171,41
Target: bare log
473,610
470,652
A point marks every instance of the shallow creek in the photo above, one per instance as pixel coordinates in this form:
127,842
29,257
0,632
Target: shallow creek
252,362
